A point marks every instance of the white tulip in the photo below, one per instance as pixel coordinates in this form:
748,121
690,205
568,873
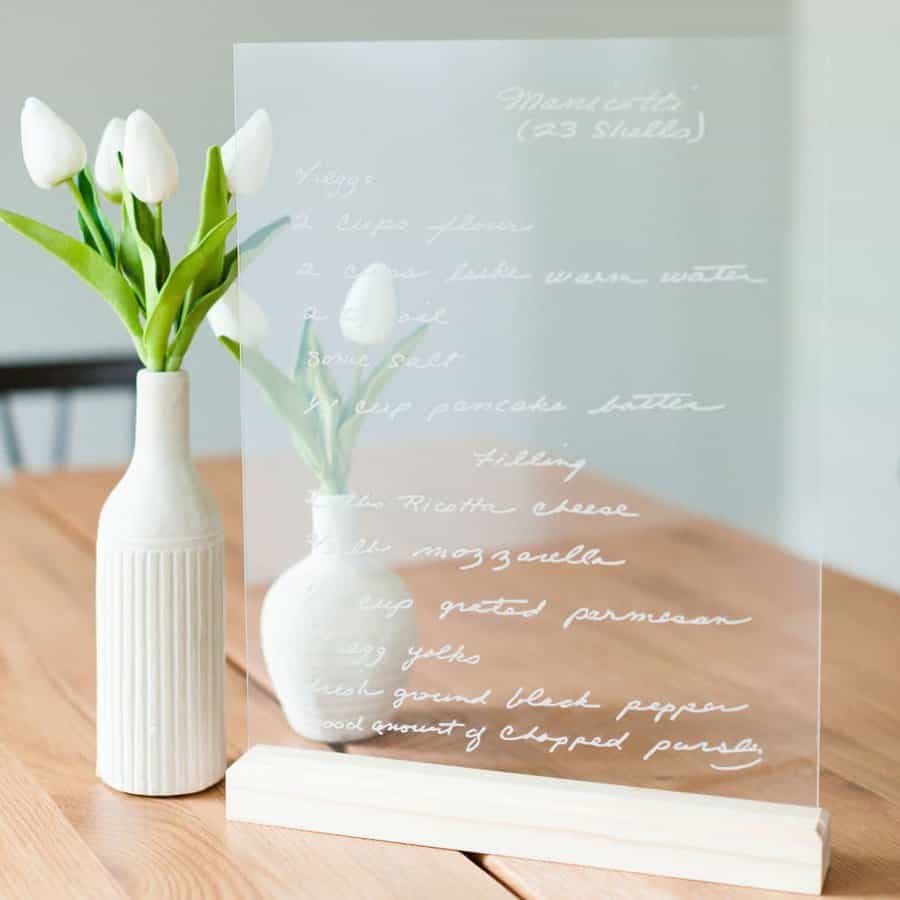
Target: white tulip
239,317
52,149
106,165
151,170
246,155
370,309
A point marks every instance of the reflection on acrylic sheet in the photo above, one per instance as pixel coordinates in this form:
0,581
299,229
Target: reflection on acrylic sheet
525,354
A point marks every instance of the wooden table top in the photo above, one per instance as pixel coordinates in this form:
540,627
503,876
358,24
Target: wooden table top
64,834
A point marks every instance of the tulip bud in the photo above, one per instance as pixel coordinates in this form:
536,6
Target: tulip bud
246,155
106,165
151,170
239,317
52,149
370,309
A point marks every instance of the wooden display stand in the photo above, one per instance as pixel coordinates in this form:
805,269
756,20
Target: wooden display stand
740,842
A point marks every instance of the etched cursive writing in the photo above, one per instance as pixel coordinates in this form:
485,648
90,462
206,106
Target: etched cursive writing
585,614
659,402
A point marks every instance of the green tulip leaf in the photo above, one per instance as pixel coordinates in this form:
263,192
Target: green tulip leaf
250,248
86,263
137,244
301,364
86,235
328,398
330,385
281,396
128,258
86,188
173,292
213,210
369,390
233,347
194,319
302,361
163,259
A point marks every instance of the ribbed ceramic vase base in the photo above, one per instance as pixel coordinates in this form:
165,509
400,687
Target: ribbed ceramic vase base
159,667
160,610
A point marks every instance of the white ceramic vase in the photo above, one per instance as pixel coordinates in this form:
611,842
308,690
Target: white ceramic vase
336,629
160,610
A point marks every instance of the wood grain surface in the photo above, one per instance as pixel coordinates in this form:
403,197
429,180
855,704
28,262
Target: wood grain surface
182,847
43,855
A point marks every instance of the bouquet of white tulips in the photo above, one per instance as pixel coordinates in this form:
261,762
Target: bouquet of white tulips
160,304
324,424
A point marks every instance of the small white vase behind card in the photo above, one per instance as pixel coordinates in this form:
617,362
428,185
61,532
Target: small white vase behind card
336,629
160,610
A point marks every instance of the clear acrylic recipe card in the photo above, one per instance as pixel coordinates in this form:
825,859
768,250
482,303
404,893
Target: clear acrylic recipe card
515,374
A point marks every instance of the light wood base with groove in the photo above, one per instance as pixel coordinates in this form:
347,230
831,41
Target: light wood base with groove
741,842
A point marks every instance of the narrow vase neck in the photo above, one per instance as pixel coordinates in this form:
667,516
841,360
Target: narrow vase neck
334,524
162,423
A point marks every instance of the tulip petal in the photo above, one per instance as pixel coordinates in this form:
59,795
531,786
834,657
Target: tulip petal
239,317
247,154
52,150
151,169
222,318
107,174
370,310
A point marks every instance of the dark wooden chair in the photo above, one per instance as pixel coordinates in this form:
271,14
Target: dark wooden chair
61,377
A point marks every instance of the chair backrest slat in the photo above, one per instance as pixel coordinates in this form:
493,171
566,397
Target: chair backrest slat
69,374
62,377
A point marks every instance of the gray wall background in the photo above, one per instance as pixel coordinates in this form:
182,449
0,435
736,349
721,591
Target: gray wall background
174,59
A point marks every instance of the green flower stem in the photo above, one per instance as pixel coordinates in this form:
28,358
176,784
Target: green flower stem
332,485
158,327
176,351
139,348
156,361
89,220
158,238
